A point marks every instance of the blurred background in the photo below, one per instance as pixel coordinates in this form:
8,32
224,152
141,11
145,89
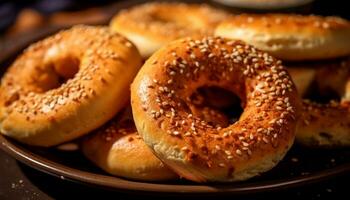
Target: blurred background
18,17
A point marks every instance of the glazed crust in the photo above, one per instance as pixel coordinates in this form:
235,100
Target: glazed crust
291,37
190,146
151,25
97,66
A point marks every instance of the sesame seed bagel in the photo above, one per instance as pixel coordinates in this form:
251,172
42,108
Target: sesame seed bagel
66,85
151,25
190,146
291,37
118,149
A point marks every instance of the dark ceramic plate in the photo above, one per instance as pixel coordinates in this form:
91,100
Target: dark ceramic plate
300,166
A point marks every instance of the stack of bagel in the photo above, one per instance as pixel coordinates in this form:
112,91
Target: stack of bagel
128,93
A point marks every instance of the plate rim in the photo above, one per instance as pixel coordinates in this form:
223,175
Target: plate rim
50,167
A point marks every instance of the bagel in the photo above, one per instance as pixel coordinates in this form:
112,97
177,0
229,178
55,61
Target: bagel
151,25
119,150
195,149
66,85
291,37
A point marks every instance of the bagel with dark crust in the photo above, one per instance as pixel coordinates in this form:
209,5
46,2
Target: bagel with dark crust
190,146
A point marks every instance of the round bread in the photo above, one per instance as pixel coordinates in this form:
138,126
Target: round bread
118,149
151,25
291,37
190,146
66,85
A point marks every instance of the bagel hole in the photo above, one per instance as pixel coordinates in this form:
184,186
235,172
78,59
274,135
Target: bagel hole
219,99
66,68
59,72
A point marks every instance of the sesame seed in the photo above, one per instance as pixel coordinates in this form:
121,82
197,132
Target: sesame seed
184,149
265,140
245,144
187,134
249,152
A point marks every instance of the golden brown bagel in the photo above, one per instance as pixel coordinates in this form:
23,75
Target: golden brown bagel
97,66
151,25
291,37
119,150
190,146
